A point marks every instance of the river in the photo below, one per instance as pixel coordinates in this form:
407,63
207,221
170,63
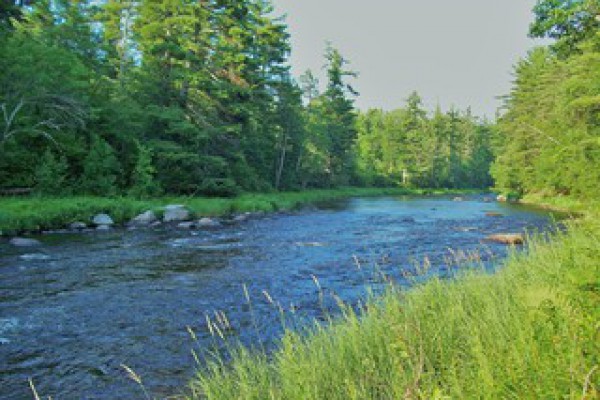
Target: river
75,309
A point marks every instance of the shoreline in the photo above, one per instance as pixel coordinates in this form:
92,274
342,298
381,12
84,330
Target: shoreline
33,215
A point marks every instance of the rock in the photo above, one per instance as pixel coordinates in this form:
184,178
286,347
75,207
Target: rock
186,225
103,219
507,238
241,217
34,257
77,226
493,214
176,213
24,242
103,228
145,218
155,224
408,220
458,198
208,223
488,199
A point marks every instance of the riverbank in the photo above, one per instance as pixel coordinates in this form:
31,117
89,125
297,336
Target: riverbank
34,214
528,331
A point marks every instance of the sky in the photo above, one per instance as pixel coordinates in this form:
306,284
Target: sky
452,52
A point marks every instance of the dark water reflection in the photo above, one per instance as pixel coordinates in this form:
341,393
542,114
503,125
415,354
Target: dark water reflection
76,309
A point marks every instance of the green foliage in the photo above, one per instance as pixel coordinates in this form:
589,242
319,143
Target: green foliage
143,184
528,331
568,21
549,134
100,169
204,86
407,147
51,175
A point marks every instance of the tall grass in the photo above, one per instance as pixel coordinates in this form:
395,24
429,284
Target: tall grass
530,331
38,213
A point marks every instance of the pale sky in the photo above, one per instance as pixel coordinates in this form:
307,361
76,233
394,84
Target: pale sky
453,52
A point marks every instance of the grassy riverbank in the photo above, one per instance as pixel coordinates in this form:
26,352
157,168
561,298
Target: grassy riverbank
38,213
529,331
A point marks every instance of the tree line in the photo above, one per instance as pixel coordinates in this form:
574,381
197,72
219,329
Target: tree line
190,97
549,130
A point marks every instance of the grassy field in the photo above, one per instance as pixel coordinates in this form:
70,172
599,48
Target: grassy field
529,331
37,213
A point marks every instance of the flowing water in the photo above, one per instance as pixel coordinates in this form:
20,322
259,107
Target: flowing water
77,308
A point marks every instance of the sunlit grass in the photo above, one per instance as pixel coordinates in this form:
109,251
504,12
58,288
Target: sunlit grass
529,331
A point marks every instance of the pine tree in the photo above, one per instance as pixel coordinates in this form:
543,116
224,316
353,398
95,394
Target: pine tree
100,169
51,175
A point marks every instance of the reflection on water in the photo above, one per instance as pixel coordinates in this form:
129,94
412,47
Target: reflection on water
80,306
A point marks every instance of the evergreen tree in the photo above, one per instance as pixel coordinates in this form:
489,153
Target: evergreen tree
100,169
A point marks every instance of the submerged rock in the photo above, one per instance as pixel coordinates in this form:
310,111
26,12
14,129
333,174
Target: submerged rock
493,214
34,257
103,219
176,213
145,218
458,198
24,242
103,228
507,238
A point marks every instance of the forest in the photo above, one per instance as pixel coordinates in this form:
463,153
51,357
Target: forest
143,98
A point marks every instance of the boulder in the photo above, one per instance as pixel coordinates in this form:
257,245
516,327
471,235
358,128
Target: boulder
458,198
493,214
242,217
176,213
24,242
77,226
507,238
208,223
145,218
103,219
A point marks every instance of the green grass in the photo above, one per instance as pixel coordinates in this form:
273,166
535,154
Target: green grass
529,331
19,214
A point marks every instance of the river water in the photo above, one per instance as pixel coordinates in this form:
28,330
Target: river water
75,309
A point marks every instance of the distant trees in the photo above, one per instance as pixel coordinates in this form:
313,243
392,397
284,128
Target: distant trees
406,146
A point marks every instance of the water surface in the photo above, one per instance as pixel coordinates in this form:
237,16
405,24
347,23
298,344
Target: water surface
74,310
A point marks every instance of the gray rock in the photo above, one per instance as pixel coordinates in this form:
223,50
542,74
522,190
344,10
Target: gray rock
155,224
103,219
186,225
103,228
24,242
458,198
146,218
208,223
176,214
77,226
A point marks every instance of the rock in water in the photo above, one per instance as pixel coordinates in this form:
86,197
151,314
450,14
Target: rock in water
24,242
146,218
77,226
507,238
493,214
103,219
176,213
208,223
186,225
